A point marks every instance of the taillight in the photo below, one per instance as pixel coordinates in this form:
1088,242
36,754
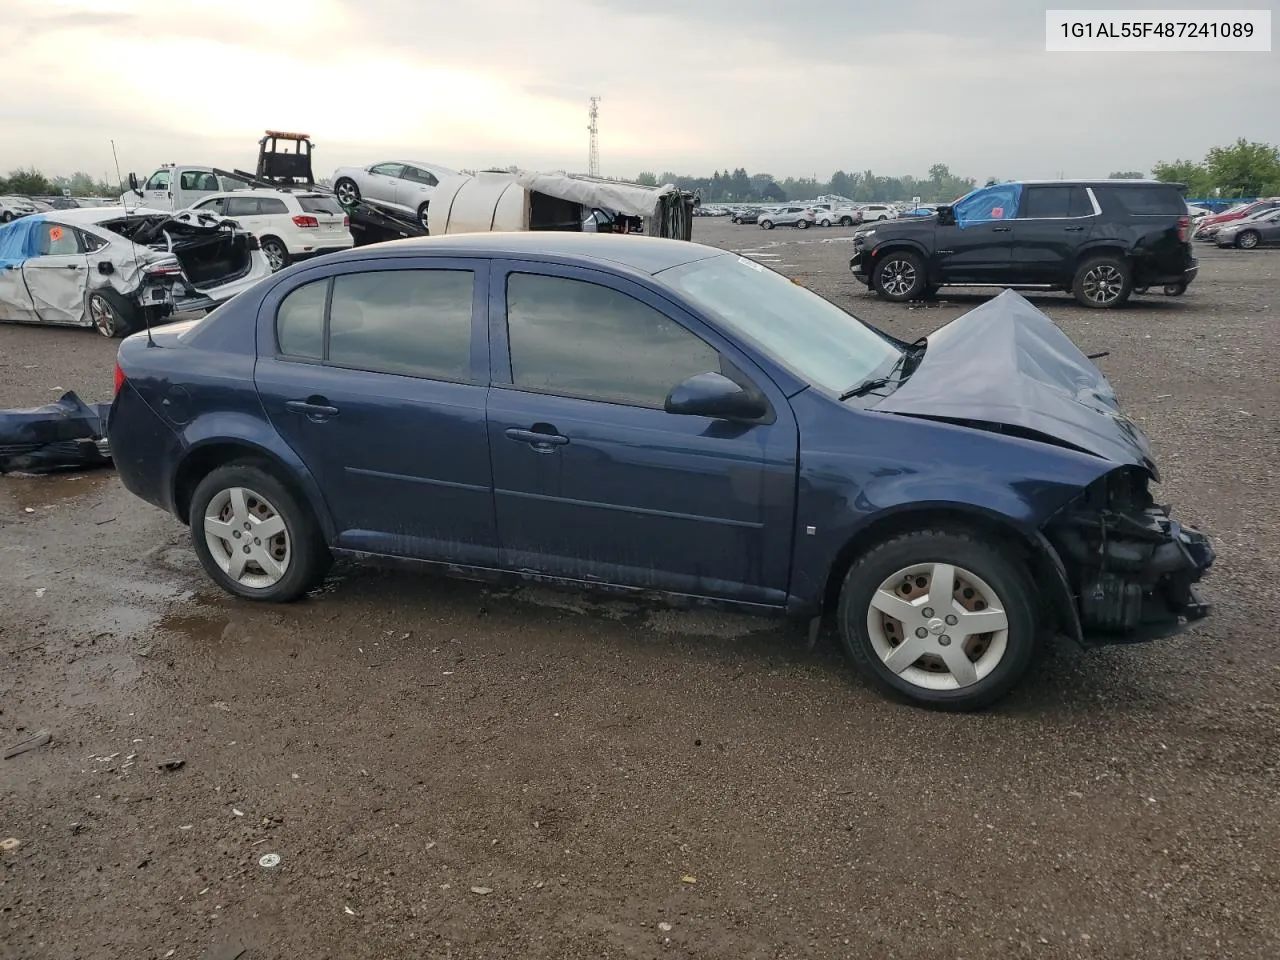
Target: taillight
119,379
1184,228
302,221
346,221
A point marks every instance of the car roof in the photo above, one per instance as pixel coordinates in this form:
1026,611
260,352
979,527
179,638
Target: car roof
262,192
88,216
644,254
1095,183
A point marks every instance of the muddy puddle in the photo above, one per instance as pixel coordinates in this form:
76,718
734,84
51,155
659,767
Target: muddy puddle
29,492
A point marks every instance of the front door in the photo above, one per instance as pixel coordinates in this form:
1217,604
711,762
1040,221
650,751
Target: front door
157,192
15,301
383,182
978,247
375,373
593,481
57,277
1053,223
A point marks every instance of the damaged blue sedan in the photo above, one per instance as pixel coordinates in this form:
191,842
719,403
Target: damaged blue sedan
666,418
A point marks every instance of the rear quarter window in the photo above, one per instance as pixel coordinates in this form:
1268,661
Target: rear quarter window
300,321
272,205
1142,201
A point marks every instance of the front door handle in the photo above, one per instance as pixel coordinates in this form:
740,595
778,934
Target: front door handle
1073,229
540,442
999,229
315,409
72,266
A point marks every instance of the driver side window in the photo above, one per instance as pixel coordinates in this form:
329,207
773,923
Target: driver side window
388,169
994,203
159,181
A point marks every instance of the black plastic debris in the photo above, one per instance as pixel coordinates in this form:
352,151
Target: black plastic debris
67,435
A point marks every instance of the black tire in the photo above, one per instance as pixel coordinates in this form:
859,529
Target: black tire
802,224
422,216
343,185
825,223
846,221
112,314
309,557
1248,239
276,252
1174,289
899,277
883,216
766,224
1139,291
6,217
1000,568
1101,283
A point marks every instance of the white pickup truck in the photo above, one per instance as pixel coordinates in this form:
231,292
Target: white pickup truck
176,187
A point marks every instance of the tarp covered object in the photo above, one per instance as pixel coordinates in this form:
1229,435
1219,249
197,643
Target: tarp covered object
627,199
18,240
65,435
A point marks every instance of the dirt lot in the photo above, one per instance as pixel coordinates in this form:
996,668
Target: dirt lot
450,771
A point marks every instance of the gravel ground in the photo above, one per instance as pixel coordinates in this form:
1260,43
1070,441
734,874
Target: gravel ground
446,770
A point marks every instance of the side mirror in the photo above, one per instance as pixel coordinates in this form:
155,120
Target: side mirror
946,216
133,184
715,395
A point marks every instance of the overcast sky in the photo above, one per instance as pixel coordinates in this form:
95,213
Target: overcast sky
687,85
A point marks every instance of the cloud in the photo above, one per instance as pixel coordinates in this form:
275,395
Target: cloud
792,89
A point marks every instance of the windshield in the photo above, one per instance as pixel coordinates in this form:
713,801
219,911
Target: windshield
810,336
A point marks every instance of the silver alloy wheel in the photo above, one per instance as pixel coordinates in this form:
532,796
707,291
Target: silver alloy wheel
422,217
1103,283
273,250
103,315
938,626
898,277
346,191
247,537
1248,240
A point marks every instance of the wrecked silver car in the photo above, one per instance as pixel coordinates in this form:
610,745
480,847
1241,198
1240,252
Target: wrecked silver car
116,270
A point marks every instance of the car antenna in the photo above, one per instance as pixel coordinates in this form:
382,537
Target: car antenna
132,243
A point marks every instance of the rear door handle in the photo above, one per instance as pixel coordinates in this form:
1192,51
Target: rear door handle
1074,229
315,409
999,229
540,442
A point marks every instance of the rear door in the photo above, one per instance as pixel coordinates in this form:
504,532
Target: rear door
57,276
247,211
593,480
1053,222
375,373
415,187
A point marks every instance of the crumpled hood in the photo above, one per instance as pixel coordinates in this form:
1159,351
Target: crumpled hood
1006,363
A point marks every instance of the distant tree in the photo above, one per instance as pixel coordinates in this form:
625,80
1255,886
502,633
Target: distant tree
938,174
647,179
1244,168
1194,175
1126,175
773,192
841,184
740,184
28,183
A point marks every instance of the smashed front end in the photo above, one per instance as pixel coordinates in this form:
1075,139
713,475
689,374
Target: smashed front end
1133,570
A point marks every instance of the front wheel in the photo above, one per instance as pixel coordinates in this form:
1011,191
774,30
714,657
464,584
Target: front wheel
422,216
766,224
899,277
346,191
802,224
1248,239
846,221
939,618
254,537
825,223
276,252
6,217
1102,282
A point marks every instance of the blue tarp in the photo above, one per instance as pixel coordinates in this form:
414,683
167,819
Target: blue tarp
18,239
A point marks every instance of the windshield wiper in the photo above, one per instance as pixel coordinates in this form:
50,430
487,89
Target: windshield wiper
913,353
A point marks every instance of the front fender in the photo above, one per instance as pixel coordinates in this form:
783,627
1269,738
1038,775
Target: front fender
229,429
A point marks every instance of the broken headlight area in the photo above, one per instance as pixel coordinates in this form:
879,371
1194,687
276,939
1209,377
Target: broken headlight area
1133,569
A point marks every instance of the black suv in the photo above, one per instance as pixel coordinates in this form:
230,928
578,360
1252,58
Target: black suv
1102,240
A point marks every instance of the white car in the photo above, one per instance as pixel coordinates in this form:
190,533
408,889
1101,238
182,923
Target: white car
878,211
114,270
289,225
796,215
13,207
831,214
404,185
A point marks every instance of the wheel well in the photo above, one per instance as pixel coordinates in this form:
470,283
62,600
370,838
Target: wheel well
1118,252
945,518
204,460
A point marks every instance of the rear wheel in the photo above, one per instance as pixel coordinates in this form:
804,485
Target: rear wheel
111,314
900,276
802,224
1102,282
1248,239
276,252
826,222
254,537
346,191
766,224
940,618
846,221
1174,289
422,216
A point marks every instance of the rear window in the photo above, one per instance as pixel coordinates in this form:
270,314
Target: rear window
1145,201
320,204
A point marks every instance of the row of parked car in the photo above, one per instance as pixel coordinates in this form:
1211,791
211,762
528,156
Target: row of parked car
13,207
1244,226
824,213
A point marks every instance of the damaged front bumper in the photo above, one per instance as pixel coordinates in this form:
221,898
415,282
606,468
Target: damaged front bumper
1134,571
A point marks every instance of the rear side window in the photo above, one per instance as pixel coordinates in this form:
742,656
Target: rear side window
272,205
415,323
577,339
1055,203
300,321
1145,201
320,205
242,206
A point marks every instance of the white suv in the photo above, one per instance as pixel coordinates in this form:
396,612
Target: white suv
290,226
11,208
878,211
